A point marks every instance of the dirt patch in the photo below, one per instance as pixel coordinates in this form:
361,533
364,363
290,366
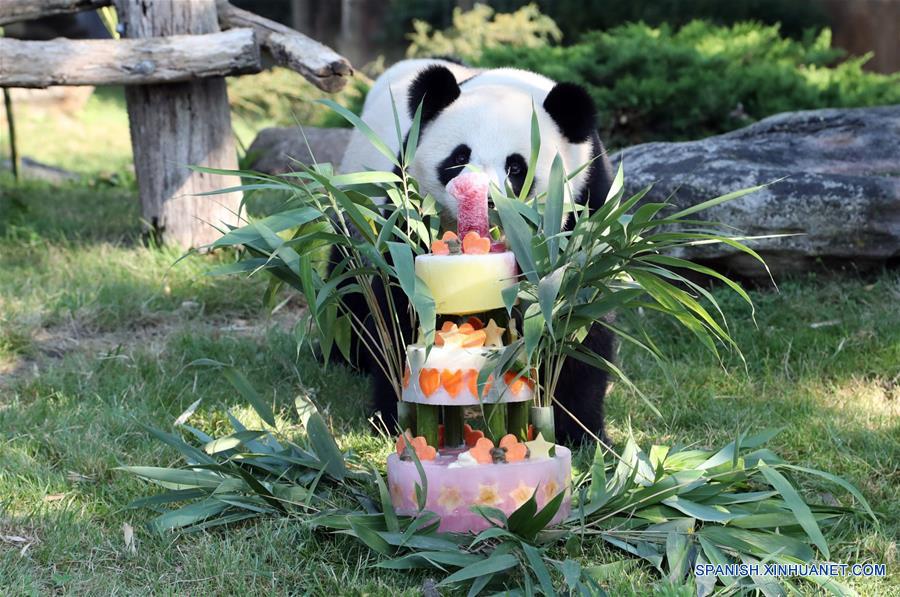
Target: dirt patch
51,344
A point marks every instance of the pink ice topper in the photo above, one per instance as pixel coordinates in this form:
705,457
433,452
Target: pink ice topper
470,189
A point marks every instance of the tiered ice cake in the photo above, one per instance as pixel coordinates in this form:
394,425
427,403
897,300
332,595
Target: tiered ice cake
500,464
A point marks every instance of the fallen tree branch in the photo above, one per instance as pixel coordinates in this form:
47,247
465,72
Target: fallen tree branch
13,11
128,61
322,66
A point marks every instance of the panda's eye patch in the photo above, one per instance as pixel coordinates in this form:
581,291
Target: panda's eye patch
515,171
451,166
461,155
515,165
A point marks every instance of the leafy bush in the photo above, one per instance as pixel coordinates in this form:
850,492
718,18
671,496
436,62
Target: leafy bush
480,29
285,98
577,16
661,83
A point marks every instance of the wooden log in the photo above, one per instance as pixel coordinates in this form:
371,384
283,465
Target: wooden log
322,66
177,125
13,11
128,61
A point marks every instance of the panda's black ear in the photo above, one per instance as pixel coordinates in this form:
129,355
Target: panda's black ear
435,88
573,111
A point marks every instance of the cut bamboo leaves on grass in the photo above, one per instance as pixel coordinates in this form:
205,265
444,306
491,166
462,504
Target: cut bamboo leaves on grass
671,507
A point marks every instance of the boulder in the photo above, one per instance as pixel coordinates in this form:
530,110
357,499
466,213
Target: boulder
839,197
277,150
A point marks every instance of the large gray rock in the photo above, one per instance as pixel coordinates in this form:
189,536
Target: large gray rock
277,150
841,193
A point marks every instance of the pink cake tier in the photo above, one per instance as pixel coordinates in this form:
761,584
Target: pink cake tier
448,375
452,490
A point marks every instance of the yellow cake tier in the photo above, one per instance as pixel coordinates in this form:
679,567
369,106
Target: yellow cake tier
464,284
449,376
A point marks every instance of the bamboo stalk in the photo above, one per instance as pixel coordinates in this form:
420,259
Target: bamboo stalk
406,417
427,420
517,414
454,418
544,422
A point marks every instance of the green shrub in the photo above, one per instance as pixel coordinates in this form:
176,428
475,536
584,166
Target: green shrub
577,16
661,84
481,29
282,97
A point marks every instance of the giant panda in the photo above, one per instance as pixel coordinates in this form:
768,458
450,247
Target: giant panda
483,118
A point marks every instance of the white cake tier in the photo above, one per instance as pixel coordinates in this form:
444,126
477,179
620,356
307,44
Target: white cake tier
464,284
450,374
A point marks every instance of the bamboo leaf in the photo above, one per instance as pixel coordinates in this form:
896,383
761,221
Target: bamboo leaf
363,128
390,516
703,206
553,208
370,538
325,448
412,137
248,392
533,156
536,562
230,442
518,234
491,565
837,480
175,478
548,291
797,505
188,515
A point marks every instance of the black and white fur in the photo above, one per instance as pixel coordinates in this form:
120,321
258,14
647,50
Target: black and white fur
483,118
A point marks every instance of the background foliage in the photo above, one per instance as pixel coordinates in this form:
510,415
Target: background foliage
673,83
576,16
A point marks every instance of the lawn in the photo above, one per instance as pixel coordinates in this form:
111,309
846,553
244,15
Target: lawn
97,333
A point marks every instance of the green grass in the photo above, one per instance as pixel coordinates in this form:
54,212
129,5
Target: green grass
97,333
94,141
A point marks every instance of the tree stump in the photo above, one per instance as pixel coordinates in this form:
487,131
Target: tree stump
177,125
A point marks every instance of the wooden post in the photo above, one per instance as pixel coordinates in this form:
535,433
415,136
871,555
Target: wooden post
177,125
11,127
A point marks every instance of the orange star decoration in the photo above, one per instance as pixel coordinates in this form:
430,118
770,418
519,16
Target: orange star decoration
488,495
539,447
493,334
482,451
418,444
396,493
521,494
463,336
551,489
449,498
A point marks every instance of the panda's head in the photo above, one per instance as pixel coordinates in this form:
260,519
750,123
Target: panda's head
485,123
